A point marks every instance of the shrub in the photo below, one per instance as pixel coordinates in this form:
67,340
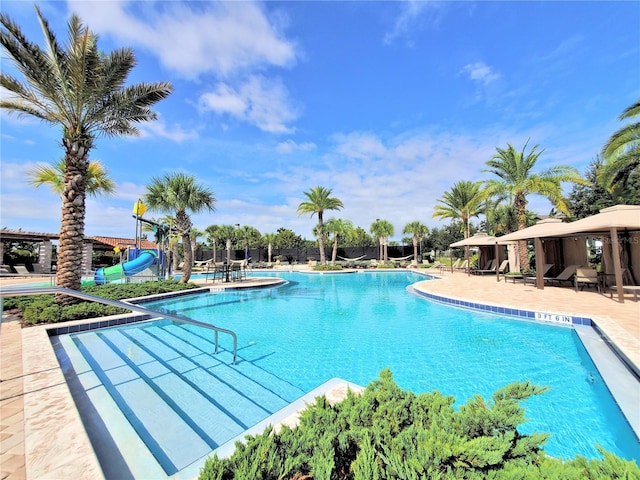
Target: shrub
386,265
327,267
388,433
43,309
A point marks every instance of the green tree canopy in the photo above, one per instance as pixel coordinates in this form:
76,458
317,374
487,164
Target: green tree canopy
319,200
179,194
85,92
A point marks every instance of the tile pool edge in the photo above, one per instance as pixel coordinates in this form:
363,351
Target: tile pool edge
619,373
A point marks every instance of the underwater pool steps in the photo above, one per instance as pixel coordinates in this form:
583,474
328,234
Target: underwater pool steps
8,292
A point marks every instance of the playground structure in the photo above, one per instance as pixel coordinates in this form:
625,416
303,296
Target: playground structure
141,265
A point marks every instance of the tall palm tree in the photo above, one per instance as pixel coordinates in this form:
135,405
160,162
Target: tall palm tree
463,202
340,229
228,232
319,199
193,235
382,229
417,231
178,193
84,91
98,181
622,152
249,235
213,234
516,179
269,239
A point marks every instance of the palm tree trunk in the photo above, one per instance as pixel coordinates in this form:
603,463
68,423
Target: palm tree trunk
269,250
175,261
415,249
323,259
70,244
386,250
188,259
520,205
228,250
214,241
334,252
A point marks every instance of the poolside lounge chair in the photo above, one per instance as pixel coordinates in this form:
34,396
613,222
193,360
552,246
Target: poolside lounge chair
463,266
532,279
490,267
22,270
635,289
503,266
586,277
565,276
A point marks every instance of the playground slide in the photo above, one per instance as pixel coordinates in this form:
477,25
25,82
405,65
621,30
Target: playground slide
137,265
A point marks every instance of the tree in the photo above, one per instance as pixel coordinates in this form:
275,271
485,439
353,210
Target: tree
228,233
269,239
516,180
82,90
193,236
589,199
213,234
249,235
97,182
464,201
286,238
318,200
178,193
622,153
418,232
359,237
382,229
340,229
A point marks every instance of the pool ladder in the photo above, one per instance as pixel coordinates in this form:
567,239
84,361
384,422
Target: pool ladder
6,292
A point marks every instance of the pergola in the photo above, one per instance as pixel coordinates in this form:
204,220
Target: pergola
609,223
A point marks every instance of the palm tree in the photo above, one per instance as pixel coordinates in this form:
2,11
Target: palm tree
464,201
516,180
383,230
622,152
98,181
269,239
178,193
340,229
249,235
213,234
228,232
318,200
84,91
164,237
193,235
418,231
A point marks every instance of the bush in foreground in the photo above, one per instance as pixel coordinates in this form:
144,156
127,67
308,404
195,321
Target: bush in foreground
388,433
37,309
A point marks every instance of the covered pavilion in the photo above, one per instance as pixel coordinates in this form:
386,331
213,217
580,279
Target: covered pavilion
617,226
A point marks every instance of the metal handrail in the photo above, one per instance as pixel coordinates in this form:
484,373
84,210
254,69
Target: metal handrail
4,292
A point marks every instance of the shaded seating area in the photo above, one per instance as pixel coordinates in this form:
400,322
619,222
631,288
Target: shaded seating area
617,229
586,277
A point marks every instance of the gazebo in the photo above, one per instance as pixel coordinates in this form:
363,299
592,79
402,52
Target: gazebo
488,246
618,226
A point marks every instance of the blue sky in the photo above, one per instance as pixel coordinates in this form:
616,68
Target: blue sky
387,103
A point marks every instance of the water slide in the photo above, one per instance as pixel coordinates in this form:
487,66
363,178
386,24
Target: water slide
117,272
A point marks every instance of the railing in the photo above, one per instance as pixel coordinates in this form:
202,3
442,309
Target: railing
5,292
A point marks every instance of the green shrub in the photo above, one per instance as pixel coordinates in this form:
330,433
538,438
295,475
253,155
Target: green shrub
388,433
43,309
327,267
386,265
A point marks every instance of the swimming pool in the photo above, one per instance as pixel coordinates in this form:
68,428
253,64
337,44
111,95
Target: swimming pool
295,337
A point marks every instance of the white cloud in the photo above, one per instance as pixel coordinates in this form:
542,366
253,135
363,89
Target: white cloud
204,37
159,129
408,21
480,72
289,146
259,101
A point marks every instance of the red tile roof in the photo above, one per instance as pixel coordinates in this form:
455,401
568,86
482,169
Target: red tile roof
123,243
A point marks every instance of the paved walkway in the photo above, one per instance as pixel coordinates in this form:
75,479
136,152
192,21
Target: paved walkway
32,388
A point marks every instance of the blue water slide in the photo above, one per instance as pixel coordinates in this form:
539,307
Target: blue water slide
137,265
144,260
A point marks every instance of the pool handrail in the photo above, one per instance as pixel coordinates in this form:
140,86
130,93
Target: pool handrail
6,292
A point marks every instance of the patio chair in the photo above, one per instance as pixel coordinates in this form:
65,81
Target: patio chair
463,266
586,277
490,267
532,279
565,276
22,270
503,267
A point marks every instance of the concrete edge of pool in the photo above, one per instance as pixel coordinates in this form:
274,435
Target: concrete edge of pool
56,443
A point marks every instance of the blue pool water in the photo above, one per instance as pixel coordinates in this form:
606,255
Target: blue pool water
295,337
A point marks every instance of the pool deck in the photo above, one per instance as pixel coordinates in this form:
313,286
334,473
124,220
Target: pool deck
41,435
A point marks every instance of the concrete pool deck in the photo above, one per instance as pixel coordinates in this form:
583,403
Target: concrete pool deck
41,435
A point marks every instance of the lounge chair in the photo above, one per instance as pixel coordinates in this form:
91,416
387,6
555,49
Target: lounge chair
503,267
532,279
490,267
463,266
22,270
565,276
586,277
635,289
